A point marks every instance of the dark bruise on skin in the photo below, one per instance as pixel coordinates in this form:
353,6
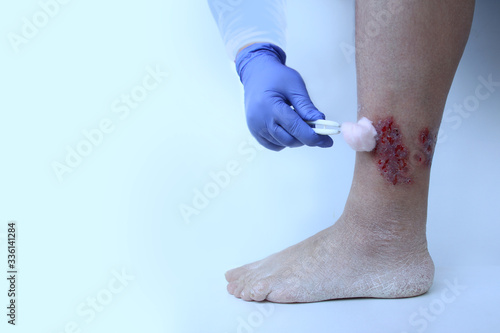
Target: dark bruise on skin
393,156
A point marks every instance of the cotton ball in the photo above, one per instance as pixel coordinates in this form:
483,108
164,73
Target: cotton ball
360,136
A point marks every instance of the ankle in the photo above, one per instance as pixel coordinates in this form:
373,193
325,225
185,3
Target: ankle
394,237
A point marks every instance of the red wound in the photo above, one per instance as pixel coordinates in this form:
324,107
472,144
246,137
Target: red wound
427,142
391,154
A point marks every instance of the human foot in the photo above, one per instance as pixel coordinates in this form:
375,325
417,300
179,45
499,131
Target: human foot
378,246
341,261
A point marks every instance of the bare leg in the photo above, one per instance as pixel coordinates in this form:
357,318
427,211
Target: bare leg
378,246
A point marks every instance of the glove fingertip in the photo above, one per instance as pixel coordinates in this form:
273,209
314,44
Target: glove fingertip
326,143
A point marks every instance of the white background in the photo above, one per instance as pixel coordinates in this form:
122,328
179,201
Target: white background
119,209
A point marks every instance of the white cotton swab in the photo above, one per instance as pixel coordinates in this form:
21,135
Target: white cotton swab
359,136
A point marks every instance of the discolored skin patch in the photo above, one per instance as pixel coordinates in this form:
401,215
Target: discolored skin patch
391,154
426,142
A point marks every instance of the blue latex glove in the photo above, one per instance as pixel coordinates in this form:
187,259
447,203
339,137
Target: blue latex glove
270,88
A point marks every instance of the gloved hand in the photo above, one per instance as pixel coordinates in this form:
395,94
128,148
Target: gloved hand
270,88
